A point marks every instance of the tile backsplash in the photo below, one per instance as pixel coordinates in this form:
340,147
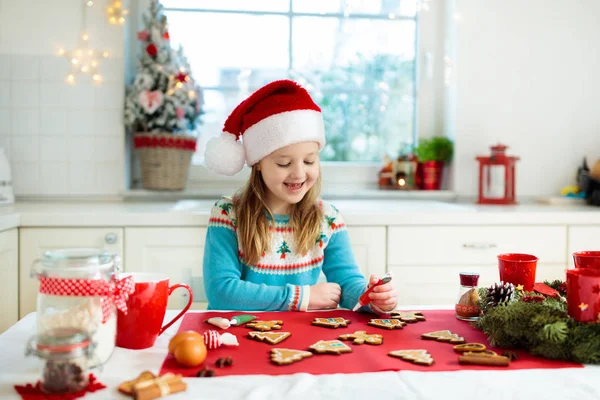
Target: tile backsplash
62,139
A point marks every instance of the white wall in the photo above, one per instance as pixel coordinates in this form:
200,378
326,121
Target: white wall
528,75
60,139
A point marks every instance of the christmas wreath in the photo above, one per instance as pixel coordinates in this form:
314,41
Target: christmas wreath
538,323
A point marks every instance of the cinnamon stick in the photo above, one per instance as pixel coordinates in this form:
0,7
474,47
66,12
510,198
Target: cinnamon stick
159,387
484,358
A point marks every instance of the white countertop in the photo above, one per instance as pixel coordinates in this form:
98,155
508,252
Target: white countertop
355,212
564,384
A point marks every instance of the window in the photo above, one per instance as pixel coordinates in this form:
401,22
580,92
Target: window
356,58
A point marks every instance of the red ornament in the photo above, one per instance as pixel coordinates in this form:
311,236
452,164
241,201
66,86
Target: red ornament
143,35
497,177
166,35
181,77
151,49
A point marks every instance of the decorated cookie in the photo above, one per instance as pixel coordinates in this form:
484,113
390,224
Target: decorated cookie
444,336
473,347
407,316
387,323
360,337
331,322
269,337
484,358
421,357
265,325
288,356
330,347
127,386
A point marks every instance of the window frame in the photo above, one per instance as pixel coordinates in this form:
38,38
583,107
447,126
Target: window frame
349,178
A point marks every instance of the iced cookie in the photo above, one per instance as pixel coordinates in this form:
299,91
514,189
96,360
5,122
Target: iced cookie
265,325
421,357
330,347
288,356
387,323
444,336
331,322
360,337
407,316
269,337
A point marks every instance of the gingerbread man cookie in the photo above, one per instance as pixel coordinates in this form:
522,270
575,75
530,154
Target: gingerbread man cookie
387,323
360,337
331,322
444,336
421,357
408,316
265,325
288,356
330,347
269,337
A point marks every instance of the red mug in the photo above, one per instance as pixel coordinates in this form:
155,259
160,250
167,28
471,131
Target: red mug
518,269
146,307
587,259
583,294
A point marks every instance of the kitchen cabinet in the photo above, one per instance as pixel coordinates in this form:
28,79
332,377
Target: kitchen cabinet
35,241
9,278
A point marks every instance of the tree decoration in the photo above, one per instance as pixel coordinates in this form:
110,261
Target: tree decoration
497,293
543,328
163,97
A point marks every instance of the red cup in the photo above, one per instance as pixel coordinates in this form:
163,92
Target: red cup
146,307
587,259
583,294
518,269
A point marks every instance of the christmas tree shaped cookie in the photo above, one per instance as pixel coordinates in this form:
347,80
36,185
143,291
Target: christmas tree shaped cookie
269,337
387,323
265,325
360,337
421,357
330,347
444,336
331,322
288,356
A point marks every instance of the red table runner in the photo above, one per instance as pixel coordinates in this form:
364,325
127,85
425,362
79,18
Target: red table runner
253,358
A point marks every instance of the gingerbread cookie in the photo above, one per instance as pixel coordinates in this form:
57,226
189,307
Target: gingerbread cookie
407,316
484,358
269,337
288,356
466,347
330,347
265,325
444,336
360,337
387,323
421,357
127,387
331,322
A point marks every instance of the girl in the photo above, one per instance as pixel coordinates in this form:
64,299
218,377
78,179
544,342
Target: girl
266,247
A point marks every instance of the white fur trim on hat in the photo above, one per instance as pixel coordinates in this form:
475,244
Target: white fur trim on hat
224,154
280,130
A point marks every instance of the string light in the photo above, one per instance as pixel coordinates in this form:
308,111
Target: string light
116,13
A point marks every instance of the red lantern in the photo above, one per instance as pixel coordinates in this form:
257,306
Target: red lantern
497,177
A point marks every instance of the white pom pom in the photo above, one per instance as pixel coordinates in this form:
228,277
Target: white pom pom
224,155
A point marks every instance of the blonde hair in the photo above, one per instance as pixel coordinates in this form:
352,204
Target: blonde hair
253,225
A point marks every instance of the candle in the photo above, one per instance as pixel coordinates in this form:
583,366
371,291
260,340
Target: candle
518,269
583,294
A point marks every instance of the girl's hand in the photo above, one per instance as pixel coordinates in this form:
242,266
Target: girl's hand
383,297
324,295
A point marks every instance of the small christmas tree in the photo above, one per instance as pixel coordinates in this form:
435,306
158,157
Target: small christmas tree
163,97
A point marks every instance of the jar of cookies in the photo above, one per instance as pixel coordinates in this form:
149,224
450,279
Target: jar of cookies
467,308
79,288
65,355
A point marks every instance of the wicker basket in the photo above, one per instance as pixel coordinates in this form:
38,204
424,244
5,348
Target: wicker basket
164,159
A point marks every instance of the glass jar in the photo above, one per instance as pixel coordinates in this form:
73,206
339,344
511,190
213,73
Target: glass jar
467,308
65,355
74,292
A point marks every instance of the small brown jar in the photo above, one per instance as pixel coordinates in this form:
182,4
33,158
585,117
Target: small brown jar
467,308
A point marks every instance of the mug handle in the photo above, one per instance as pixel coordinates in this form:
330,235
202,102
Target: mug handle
187,307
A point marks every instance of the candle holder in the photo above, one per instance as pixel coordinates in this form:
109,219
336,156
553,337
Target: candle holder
587,259
583,294
518,269
398,174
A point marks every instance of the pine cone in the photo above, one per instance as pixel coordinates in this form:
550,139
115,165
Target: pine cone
499,293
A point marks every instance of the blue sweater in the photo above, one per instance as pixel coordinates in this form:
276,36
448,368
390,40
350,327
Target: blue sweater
281,280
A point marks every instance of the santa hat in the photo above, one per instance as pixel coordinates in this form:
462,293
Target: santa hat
277,115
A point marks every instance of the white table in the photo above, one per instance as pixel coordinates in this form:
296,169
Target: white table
561,384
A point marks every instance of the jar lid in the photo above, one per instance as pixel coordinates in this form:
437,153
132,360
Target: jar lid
62,342
469,278
76,259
